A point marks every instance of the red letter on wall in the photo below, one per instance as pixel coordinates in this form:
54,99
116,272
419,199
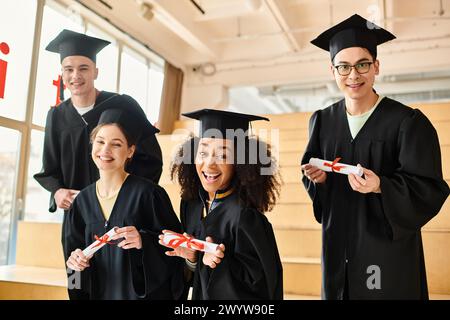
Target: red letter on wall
4,48
59,91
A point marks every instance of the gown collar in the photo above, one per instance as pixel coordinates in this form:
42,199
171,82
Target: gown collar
219,196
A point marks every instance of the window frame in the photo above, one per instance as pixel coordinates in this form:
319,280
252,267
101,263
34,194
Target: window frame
25,127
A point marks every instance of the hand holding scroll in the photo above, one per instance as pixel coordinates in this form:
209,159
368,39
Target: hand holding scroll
370,182
214,258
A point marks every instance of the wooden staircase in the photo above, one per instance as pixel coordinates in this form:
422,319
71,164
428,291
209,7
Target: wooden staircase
40,274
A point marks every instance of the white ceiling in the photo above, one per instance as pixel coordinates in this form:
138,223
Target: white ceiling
265,43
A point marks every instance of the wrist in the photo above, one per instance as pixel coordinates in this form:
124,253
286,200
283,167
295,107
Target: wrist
192,260
378,187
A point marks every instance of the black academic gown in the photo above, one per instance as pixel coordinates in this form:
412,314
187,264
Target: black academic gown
132,274
67,161
251,268
383,230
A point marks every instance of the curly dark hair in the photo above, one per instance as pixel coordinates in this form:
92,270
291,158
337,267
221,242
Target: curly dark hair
256,190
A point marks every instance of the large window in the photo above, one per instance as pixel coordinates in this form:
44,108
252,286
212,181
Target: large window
17,23
106,61
143,81
49,66
133,76
37,198
155,86
15,55
9,155
140,76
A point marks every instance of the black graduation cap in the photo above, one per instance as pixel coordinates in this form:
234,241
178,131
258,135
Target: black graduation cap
135,124
221,120
353,32
71,43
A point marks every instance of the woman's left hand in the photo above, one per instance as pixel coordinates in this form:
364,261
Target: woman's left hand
132,238
213,259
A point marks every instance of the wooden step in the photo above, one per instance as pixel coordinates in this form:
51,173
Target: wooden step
297,146
170,144
434,111
302,276
443,130
296,120
292,158
434,296
290,296
291,174
280,134
294,193
305,242
173,190
442,220
165,176
35,238
293,216
185,124
445,156
437,260
19,282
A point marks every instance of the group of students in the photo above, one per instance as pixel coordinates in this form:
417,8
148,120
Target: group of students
102,144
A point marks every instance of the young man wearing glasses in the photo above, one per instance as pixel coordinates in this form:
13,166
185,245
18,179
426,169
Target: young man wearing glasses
372,245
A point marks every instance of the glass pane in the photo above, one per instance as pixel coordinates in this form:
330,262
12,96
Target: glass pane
133,76
155,86
9,154
17,22
106,61
49,65
37,199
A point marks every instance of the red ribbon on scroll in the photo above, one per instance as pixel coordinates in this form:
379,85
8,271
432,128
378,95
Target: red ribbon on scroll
103,239
333,165
190,242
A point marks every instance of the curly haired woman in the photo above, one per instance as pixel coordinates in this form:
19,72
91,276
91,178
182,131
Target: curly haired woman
228,180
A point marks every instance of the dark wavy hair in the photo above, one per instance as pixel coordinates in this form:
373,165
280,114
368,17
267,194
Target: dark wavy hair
255,190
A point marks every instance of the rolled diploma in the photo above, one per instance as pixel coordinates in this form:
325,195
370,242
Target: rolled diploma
96,245
344,168
182,241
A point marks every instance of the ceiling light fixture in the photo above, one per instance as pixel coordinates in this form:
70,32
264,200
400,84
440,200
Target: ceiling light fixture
253,5
146,11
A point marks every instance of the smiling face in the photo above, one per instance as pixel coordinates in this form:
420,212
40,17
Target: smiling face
355,86
110,150
79,74
214,164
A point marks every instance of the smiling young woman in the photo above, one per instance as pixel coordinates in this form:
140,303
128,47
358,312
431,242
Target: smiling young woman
140,209
226,187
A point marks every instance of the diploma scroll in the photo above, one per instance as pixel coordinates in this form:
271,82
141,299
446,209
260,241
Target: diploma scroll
175,240
335,166
99,242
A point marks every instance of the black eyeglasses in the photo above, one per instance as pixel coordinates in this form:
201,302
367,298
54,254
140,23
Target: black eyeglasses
346,69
